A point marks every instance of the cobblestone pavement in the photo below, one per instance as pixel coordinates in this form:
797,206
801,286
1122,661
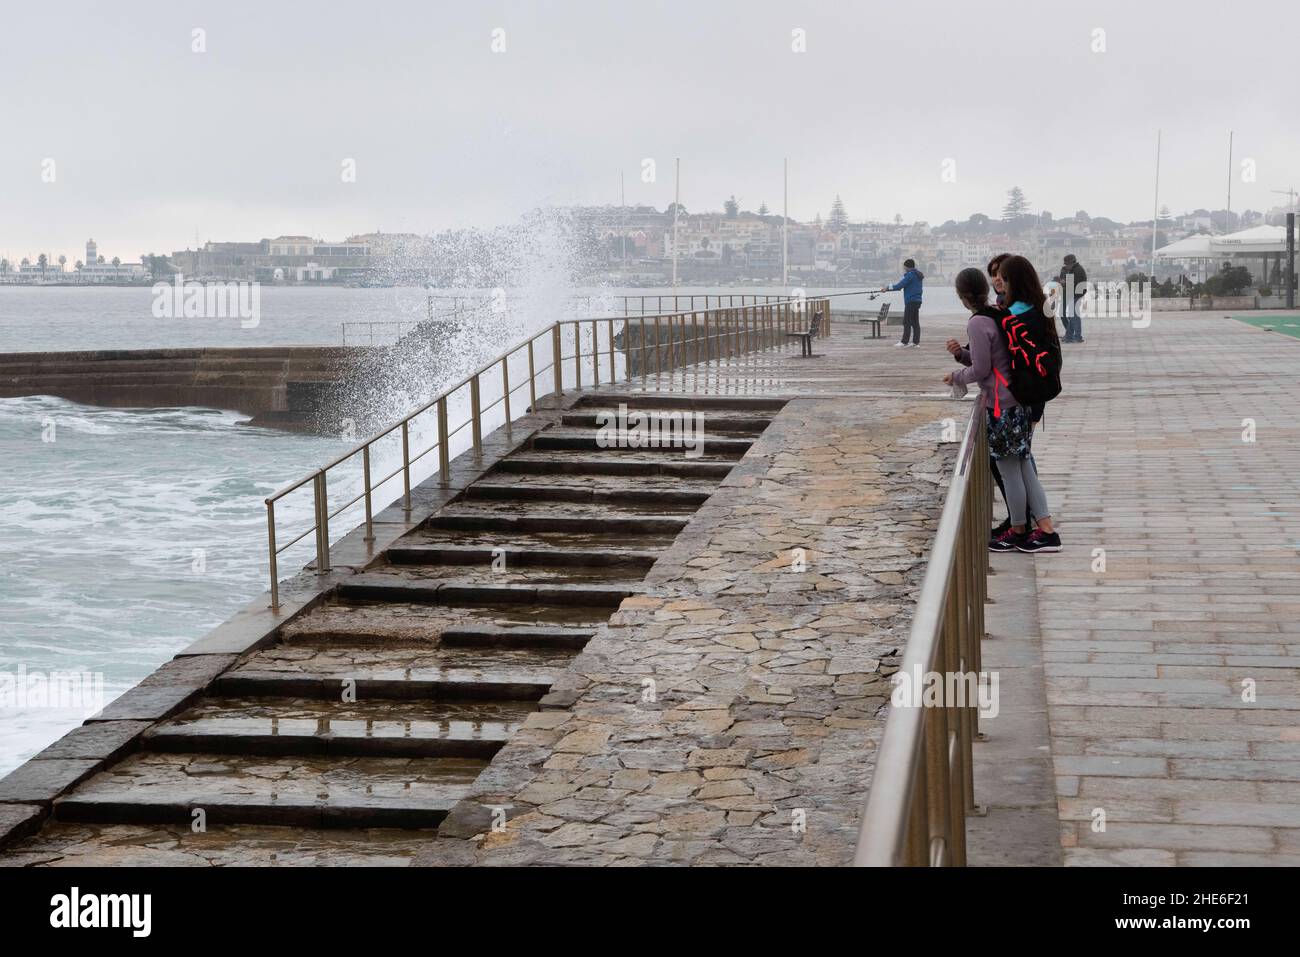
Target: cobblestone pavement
729,714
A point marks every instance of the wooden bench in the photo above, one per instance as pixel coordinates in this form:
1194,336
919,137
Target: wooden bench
808,335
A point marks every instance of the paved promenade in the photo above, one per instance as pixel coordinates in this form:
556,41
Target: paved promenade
1172,669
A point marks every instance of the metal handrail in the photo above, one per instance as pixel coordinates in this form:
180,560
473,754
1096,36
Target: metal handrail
735,330
923,784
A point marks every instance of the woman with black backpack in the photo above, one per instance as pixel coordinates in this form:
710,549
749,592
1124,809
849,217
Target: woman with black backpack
993,358
1034,354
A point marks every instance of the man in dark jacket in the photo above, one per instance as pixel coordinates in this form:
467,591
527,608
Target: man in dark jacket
911,284
1072,278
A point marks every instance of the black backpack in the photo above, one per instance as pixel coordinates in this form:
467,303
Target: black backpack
1035,357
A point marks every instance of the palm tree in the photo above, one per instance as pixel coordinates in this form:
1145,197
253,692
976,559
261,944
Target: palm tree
117,261
42,260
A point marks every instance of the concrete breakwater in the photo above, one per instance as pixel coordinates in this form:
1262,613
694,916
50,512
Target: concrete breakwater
290,387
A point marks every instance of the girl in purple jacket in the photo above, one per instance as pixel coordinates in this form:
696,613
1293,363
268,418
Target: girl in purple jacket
1009,427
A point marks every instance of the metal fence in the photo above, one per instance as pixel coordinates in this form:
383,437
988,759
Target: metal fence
567,354
923,786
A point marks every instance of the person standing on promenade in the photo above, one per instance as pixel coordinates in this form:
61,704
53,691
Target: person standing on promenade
1025,328
1072,278
962,355
911,284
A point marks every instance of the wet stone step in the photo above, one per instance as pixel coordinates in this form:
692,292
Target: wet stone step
313,726
538,517
651,484
589,439
333,671
522,541
514,570
396,586
390,624
535,560
659,499
589,508
616,462
65,844
303,791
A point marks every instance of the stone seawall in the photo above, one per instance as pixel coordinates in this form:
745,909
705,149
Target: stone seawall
277,386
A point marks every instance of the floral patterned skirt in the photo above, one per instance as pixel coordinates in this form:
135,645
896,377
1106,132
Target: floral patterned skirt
1010,434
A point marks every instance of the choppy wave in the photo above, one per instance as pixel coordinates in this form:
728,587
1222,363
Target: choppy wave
125,534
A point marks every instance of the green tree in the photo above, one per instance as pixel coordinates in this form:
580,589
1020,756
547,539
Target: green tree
1017,205
839,218
42,260
731,207
762,209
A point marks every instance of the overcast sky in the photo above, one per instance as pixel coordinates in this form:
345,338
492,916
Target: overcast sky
154,145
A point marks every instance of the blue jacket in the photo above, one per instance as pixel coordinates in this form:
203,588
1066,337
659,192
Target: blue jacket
910,284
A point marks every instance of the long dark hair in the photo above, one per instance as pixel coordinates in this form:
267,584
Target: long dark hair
997,261
972,289
1021,279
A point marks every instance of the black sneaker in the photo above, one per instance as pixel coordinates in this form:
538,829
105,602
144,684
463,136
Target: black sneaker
1039,541
999,530
1008,541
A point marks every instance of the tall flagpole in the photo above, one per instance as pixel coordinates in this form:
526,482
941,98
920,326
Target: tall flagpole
677,202
1227,213
785,222
1155,210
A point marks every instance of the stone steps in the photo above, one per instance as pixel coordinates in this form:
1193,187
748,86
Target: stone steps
656,498
540,560
302,791
543,519
285,726
334,671
614,462
378,707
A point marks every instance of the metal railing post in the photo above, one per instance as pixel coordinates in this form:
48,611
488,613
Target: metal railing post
406,464
444,454
476,420
645,359
270,538
321,495
613,374
577,356
556,346
532,377
505,389
658,349
365,490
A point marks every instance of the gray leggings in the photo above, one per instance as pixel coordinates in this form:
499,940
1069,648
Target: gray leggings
1020,480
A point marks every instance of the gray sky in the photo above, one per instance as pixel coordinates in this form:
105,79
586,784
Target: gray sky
153,143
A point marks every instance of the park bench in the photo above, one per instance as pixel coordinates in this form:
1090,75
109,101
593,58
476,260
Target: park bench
806,336
877,321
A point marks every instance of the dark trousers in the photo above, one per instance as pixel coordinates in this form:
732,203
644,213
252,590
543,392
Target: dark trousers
912,322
